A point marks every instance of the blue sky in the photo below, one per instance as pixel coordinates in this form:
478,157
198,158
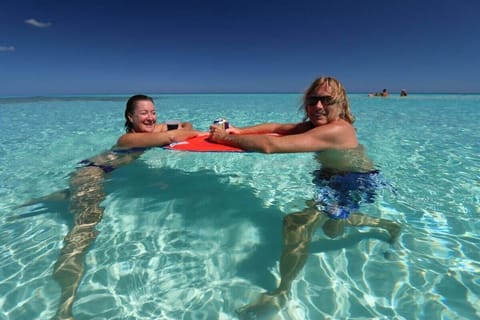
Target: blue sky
103,46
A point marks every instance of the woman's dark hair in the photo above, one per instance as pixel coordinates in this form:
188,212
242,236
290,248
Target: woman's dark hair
130,109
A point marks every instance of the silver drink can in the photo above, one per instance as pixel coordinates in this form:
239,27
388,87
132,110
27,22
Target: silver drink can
222,123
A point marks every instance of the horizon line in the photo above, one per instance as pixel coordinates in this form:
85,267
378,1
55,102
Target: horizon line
53,95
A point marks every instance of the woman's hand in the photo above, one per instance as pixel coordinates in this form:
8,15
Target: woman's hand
186,126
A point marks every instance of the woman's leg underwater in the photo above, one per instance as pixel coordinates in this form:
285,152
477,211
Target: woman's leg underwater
86,188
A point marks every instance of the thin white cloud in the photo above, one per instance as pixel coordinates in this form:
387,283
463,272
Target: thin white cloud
37,23
7,48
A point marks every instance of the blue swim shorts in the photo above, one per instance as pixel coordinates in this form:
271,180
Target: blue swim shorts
339,194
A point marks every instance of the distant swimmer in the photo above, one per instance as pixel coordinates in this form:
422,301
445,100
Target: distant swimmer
403,93
384,93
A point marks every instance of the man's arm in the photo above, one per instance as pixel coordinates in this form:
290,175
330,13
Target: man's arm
279,128
330,136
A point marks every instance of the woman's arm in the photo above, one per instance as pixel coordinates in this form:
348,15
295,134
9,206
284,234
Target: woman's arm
154,139
186,126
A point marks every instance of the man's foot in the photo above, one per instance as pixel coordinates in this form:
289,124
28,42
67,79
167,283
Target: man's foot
268,305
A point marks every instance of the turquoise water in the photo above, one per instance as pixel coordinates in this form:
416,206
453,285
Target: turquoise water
197,235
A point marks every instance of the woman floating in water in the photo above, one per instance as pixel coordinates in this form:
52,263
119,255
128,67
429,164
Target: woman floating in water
346,178
86,192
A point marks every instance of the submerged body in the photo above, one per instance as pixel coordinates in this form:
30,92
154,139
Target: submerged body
85,195
86,190
345,179
345,160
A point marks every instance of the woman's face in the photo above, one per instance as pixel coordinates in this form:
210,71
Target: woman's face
320,105
144,116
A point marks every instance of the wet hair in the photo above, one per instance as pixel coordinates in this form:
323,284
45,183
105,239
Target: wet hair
130,109
339,96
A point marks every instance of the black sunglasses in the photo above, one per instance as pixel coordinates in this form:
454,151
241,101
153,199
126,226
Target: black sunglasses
325,100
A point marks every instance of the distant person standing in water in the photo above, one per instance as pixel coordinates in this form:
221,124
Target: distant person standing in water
346,177
384,93
86,192
403,93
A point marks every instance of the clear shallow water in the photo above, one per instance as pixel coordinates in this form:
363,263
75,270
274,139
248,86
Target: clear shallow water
197,235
